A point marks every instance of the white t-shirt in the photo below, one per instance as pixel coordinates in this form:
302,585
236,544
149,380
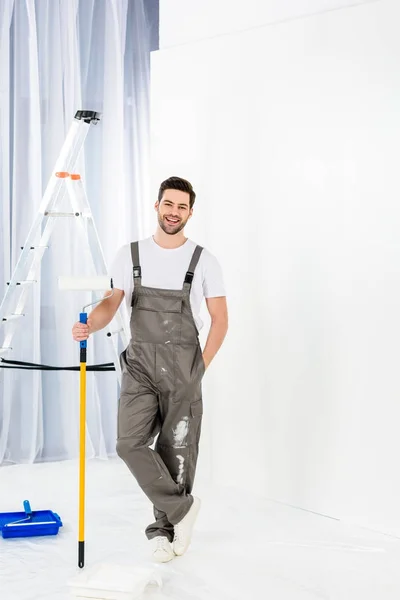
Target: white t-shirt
166,269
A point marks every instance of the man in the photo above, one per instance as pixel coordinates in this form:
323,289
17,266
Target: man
164,279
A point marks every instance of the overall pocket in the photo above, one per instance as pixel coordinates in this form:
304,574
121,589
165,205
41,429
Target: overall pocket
163,304
157,319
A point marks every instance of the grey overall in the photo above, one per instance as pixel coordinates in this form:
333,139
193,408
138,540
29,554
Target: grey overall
162,370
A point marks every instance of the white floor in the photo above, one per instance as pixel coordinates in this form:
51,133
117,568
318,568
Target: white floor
243,549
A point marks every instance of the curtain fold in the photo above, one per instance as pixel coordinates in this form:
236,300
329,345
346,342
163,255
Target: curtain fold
57,58
6,12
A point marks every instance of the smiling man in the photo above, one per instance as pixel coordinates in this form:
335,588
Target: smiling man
164,280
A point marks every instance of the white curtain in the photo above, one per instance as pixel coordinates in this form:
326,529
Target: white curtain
57,57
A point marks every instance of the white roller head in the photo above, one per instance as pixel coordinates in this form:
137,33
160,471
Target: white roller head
99,283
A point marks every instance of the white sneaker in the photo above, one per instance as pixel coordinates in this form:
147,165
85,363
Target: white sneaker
162,549
183,529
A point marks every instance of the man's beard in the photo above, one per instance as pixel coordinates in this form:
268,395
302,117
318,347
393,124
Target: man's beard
170,228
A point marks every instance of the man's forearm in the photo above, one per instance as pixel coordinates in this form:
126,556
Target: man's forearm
100,316
216,336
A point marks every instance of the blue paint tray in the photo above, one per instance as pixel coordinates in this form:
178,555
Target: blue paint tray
29,523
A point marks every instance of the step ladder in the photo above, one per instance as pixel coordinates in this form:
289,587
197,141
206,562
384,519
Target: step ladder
63,182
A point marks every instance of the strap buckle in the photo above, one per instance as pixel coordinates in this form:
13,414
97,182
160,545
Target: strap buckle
137,272
189,277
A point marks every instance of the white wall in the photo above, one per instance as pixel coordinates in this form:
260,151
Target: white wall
290,135
183,21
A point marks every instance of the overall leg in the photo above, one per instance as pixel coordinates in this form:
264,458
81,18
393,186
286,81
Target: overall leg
138,424
178,443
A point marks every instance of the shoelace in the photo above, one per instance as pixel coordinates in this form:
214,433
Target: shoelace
162,543
177,533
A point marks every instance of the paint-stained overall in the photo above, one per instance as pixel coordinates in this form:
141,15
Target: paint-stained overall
162,370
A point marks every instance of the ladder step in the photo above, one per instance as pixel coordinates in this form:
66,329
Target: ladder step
5,350
110,333
35,247
12,317
60,214
27,282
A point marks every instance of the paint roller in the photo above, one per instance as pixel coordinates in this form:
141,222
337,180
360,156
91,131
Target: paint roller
101,580
93,284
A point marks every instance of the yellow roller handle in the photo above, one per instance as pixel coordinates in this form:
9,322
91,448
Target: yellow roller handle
82,463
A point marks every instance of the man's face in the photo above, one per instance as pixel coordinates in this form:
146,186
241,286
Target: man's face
173,211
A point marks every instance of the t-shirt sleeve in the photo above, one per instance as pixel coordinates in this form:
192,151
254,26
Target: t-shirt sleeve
213,280
117,269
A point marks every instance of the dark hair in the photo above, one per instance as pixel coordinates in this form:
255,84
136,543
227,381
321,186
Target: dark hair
177,183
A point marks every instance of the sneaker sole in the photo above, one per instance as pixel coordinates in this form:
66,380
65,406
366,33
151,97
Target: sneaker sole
164,560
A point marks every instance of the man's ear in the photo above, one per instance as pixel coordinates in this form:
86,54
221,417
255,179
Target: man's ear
157,204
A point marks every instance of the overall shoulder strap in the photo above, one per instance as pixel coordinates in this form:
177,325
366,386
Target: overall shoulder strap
192,267
137,269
